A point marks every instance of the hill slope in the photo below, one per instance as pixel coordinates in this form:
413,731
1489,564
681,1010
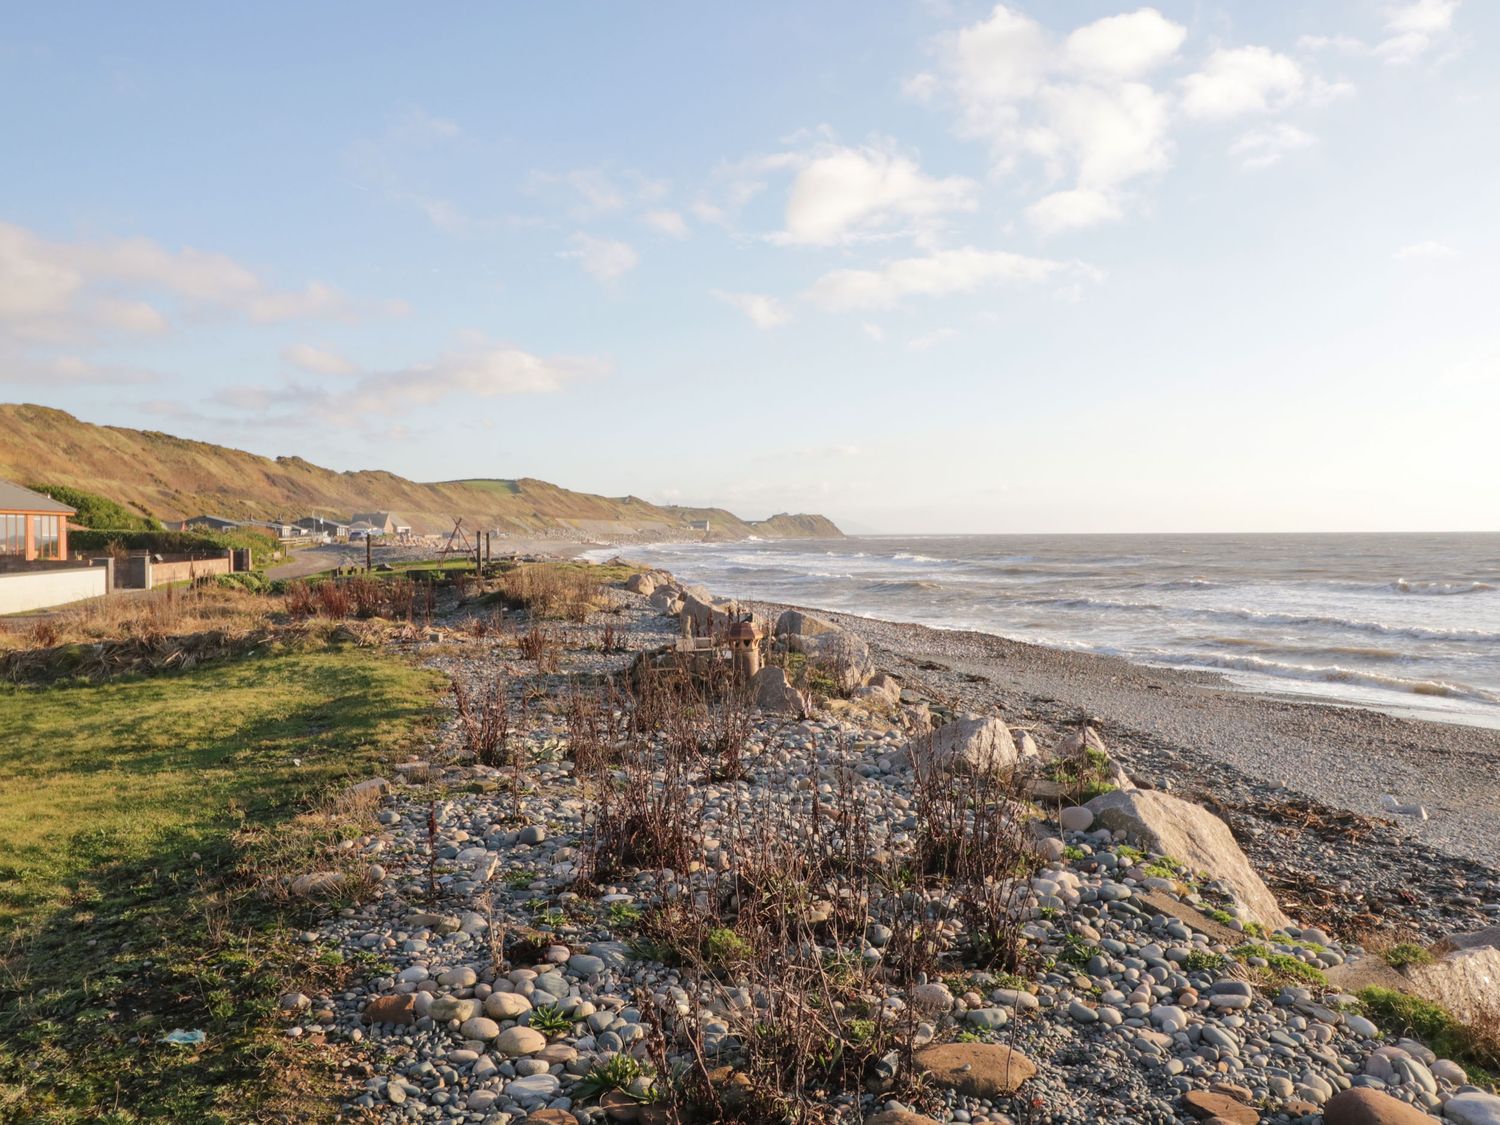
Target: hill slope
174,478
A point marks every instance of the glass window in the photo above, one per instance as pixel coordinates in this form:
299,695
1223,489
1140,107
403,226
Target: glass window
12,535
45,536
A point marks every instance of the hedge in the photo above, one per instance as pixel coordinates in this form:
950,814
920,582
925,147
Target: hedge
176,542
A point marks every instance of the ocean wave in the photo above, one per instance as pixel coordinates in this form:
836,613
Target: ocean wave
1335,674
1086,602
1261,644
1439,589
919,558
1415,632
904,587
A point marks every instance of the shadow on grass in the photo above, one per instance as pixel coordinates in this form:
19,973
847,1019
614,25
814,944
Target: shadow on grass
159,930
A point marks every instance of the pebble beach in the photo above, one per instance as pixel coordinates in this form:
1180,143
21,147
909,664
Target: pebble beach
506,981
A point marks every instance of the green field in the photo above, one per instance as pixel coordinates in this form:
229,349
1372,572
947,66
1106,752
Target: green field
124,904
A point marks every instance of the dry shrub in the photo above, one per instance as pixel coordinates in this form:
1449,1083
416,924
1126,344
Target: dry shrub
541,647
782,911
974,831
552,590
358,596
162,629
484,723
595,727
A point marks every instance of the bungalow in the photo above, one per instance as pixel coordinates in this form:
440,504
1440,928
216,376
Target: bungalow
208,523
32,526
382,523
319,527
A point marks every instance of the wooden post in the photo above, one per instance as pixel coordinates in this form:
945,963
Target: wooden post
368,568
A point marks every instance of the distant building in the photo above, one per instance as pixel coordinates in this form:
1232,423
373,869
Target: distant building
32,526
381,523
698,525
276,528
319,527
208,523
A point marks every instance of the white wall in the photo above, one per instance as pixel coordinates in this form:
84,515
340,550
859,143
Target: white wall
43,588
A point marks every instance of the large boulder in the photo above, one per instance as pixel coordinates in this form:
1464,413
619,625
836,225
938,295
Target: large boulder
979,1070
1195,838
666,599
641,584
1072,744
841,656
1364,1106
1473,1109
708,617
1210,1105
794,622
882,691
1466,980
773,693
969,744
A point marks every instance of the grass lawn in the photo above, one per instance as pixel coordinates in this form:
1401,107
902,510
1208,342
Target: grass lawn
124,909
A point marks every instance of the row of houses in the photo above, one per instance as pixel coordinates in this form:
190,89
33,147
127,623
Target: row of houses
362,525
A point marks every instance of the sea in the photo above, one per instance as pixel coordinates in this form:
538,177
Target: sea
1408,624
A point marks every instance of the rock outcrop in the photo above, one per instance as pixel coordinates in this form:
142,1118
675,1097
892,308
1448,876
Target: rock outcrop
1192,836
970,744
979,1070
1465,980
773,693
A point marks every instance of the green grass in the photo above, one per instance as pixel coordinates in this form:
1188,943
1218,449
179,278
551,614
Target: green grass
125,907
1204,961
1405,953
550,1019
1399,1014
1280,968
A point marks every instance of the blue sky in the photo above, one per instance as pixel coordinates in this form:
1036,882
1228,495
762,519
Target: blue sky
921,266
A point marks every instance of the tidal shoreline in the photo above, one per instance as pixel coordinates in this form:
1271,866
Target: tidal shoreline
1165,721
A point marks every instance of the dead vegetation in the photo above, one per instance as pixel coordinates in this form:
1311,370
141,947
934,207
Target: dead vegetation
560,591
786,920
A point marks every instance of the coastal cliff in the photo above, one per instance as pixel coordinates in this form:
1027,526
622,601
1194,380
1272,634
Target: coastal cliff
174,478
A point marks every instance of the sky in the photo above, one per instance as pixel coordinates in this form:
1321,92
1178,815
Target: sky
922,266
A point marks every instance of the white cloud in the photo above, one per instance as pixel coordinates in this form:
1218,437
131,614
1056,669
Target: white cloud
1082,106
1071,210
1124,46
1260,148
315,301
417,125
874,331
68,369
1110,135
666,222
605,259
317,360
1427,250
1241,80
598,191
840,193
1412,29
131,316
764,311
930,339
938,274
57,292
483,370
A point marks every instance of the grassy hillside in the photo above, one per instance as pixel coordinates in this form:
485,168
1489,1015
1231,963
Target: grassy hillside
172,478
